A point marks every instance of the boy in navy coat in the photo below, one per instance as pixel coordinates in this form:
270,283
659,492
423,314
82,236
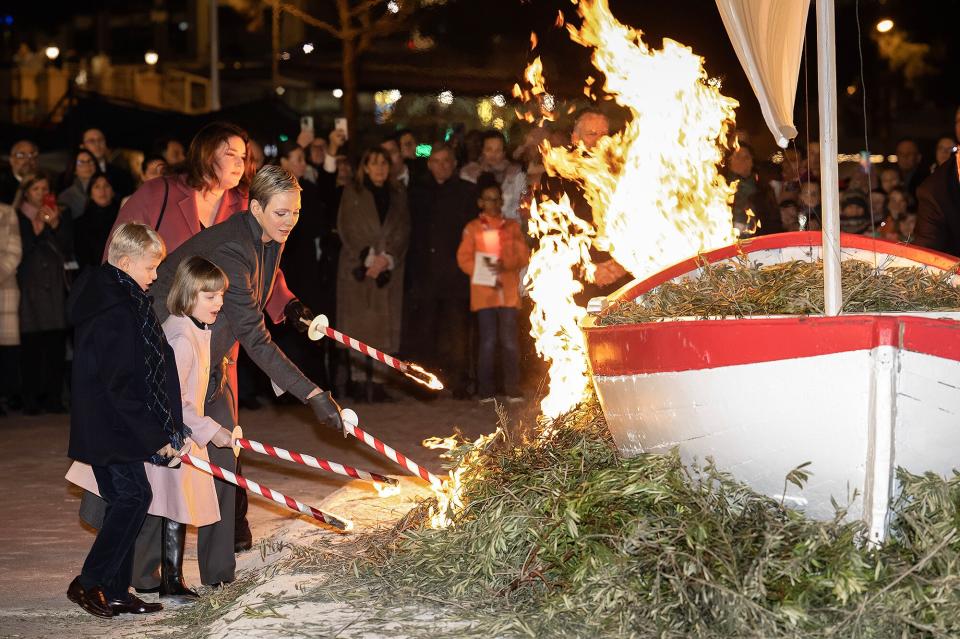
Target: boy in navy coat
126,409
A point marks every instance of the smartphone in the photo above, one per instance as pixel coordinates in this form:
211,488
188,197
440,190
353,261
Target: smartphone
340,124
50,201
306,123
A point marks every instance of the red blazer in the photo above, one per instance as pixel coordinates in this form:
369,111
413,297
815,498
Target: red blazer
180,223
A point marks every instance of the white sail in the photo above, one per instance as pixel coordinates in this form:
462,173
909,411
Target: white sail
768,38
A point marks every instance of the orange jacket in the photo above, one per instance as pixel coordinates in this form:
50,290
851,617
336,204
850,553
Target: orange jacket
514,255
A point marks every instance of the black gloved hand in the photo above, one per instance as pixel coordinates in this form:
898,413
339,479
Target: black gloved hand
294,311
327,410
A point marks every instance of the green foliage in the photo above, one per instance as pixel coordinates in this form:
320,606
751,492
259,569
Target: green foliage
562,537
740,288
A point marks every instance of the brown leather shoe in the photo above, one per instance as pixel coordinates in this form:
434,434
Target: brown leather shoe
92,600
133,605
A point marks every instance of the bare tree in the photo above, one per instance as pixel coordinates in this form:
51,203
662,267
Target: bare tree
359,23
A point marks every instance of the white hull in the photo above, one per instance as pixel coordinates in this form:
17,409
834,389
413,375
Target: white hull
857,396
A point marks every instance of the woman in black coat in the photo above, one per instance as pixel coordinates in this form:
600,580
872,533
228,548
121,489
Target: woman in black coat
307,255
92,229
47,240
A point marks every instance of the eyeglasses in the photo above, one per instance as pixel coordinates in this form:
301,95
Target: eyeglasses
492,199
26,155
84,162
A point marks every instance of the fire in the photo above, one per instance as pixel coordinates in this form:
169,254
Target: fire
655,189
564,244
450,495
386,490
422,376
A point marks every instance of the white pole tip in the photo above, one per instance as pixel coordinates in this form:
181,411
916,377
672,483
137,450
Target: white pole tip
350,416
317,327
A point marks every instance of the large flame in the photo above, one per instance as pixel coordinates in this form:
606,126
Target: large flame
564,245
655,189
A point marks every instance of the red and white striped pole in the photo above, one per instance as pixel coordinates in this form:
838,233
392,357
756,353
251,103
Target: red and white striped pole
263,491
320,327
350,427
313,462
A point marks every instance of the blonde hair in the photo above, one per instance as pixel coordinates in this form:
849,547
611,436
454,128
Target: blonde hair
134,240
194,275
269,181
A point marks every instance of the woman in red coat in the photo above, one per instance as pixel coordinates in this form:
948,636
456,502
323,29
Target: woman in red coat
210,187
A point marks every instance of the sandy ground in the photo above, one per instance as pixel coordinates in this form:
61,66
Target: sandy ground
43,543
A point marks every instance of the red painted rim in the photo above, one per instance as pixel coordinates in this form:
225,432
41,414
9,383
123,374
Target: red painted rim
663,347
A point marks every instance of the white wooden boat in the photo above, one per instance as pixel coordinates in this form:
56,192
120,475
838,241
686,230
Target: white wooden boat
858,395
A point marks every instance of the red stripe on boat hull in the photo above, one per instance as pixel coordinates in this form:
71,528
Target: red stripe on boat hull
634,349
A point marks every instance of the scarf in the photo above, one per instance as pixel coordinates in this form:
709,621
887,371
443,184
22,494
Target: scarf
158,402
381,197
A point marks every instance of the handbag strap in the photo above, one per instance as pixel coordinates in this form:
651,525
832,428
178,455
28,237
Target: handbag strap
163,207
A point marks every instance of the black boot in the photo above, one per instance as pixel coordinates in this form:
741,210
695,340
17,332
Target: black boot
172,540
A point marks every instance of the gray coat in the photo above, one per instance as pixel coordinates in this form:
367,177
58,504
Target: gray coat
364,311
251,265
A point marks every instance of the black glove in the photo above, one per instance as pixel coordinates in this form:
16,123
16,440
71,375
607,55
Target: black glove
295,311
326,410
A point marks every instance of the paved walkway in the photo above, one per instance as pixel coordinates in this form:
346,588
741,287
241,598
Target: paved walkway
43,543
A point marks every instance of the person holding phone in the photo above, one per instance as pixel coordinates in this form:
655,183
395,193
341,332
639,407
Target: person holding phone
46,239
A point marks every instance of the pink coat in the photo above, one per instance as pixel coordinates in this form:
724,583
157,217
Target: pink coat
180,222
183,494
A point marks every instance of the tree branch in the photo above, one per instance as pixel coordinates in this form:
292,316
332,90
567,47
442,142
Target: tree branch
385,25
364,7
314,22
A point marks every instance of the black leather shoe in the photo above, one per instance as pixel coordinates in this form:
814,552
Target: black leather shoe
133,605
173,538
147,591
92,600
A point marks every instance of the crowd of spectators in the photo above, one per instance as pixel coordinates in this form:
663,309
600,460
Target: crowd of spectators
417,256
782,193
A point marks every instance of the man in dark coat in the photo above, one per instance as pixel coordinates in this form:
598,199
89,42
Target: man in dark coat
590,126
247,246
437,314
121,180
23,162
938,209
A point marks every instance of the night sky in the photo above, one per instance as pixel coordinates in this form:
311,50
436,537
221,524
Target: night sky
474,33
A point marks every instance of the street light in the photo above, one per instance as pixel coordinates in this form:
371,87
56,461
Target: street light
52,52
338,93
151,57
885,25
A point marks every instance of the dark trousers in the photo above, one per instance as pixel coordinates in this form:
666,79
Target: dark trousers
214,542
215,555
9,374
437,336
109,563
496,322
42,363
